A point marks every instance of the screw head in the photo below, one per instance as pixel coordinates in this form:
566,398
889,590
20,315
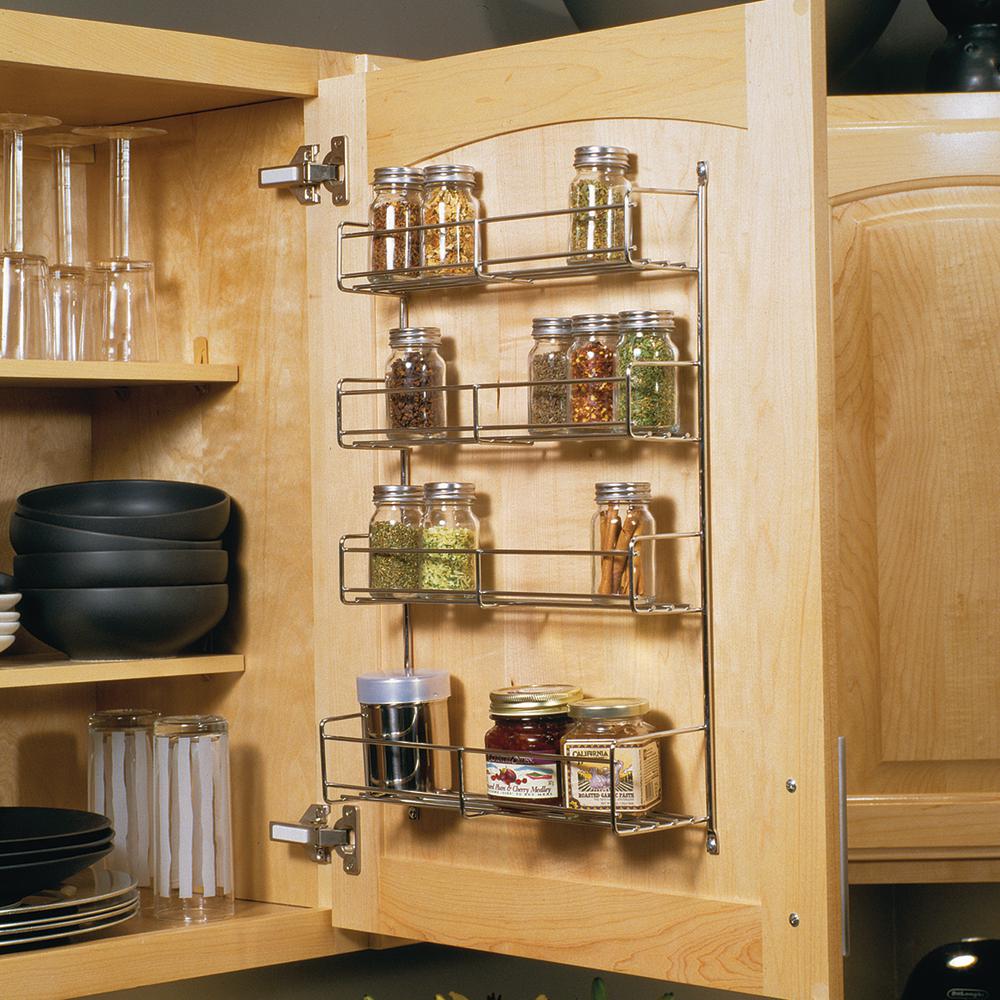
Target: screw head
791,785
793,919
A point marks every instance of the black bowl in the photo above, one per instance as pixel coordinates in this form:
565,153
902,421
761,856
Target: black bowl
136,568
8,585
148,508
30,827
116,623
28,537
18,881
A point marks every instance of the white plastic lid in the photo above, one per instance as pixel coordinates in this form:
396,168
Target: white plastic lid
404,689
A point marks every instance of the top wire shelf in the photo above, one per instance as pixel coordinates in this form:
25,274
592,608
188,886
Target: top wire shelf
510,269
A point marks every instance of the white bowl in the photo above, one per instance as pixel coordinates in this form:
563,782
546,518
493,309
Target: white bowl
9,628
7,601
6,641
10,616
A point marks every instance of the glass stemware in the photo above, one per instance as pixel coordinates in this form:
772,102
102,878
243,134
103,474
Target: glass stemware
66,278
119,315
24,288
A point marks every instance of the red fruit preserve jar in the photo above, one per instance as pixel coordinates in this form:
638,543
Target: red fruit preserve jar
527,719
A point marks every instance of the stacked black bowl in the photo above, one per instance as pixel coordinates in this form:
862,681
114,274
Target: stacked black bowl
121,568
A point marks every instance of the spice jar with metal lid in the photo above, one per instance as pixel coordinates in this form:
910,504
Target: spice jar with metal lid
449,198
623,515
415,404
548,360
396,524
449,523
528,720
396,204
652,401
600,183
593,354
600,726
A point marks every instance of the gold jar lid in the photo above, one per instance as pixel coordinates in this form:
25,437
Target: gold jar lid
534,699
609,708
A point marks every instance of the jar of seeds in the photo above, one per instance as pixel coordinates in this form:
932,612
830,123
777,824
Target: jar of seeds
396,524
622,515
396,204
548,405
415,406
645,336
600,183
448,197
593,354
449,523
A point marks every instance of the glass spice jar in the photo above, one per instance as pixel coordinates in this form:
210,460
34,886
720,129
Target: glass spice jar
448,197
449,523
417,368
645,336
599,725
593,354
547,360
396,204
600,182
396,524
622,514
528,720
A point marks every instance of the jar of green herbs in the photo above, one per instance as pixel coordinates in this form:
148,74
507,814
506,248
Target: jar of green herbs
649,397
548,363
396,524
600,184
449,523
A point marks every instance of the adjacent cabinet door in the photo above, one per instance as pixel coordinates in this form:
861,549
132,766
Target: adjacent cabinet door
736,89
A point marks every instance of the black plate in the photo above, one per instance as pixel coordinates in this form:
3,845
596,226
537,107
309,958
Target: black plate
138,568
110,623
55,853
8,585
25,880
31,827
28,536
152,508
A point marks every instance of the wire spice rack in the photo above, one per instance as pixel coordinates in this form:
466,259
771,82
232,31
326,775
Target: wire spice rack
511,271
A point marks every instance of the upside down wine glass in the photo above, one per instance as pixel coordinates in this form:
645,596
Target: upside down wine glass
119,316
24,288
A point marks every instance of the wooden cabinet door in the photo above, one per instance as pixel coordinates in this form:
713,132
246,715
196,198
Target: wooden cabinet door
735,88
916,226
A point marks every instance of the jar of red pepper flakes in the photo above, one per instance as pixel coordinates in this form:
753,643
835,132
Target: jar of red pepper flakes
528,719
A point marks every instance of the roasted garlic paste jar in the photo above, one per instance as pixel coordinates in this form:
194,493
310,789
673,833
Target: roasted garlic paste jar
600,724
528,721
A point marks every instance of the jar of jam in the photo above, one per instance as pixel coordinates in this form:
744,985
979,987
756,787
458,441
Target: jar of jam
527,719
598,725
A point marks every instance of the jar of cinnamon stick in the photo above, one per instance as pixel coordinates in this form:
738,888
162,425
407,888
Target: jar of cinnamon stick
622,524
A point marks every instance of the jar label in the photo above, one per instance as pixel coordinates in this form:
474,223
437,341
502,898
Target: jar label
637,776
510,778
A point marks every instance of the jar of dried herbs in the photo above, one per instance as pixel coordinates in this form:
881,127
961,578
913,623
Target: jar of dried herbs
396,204
414,374
449,198
396,524
600,183
449,523
592,355
649,397
548,360
622,515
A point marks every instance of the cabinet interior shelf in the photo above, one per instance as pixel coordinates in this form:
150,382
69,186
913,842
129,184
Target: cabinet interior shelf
26,671
112,374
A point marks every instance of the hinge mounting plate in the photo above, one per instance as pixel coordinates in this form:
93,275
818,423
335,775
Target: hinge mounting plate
320,839
306,173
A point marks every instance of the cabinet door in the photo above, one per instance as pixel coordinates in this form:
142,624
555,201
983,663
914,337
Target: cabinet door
916,278
734,88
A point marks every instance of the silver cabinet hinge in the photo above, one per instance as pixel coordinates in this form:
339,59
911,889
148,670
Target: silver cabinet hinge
305,174
320,839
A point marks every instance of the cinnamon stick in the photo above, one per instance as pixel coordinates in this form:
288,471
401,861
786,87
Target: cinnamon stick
629,526
609,536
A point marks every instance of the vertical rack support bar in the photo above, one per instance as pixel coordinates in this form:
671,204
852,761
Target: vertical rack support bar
704,513
404,479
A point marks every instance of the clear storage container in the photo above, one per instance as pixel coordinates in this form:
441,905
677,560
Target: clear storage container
396,203
600,183
548,359
594,354
449,523
415,371
396,524
622,515
645,336
449,197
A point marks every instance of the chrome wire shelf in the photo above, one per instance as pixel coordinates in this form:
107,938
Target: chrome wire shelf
492,598
484,431
471,804
483,270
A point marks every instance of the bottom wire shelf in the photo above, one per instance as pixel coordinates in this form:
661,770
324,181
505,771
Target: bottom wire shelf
449,764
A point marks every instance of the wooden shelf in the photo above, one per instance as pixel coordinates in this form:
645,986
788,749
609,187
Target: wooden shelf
109,374
22,672
143,951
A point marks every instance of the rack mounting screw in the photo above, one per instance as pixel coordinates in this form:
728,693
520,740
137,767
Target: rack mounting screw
413,813
793,919
791,784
